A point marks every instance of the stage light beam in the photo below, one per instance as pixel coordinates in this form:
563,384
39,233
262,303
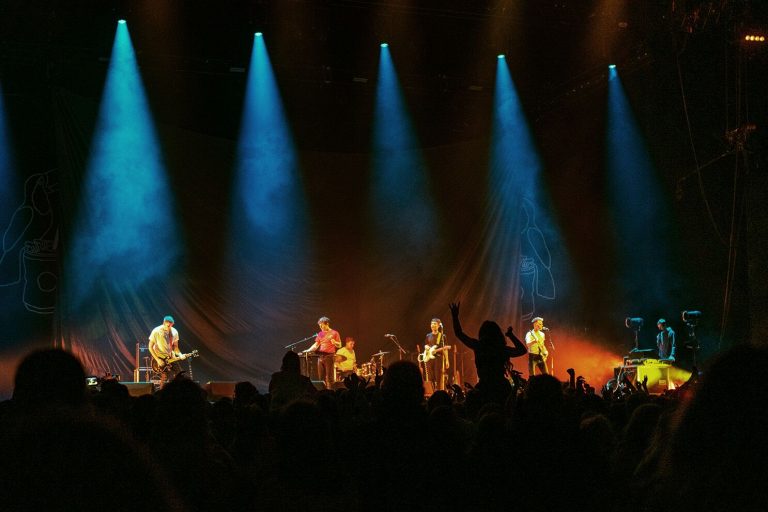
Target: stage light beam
637,204
267,226
125,232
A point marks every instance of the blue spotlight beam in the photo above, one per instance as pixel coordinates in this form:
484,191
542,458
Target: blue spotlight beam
268,248
8,181
637,202
12,221
267,183
515,165
125,230
522,232
400,194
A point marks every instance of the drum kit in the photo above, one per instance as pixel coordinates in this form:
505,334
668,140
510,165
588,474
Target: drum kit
367,371
372,368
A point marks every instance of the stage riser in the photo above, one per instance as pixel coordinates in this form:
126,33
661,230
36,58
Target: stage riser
220,389
139,388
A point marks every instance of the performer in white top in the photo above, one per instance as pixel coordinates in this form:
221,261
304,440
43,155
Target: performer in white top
537,350
164,345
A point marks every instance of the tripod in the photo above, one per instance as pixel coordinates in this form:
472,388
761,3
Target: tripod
692,342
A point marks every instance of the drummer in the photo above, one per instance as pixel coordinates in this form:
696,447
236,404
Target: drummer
346,363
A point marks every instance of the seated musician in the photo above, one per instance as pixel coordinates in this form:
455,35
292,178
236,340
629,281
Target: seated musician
346,362
164,345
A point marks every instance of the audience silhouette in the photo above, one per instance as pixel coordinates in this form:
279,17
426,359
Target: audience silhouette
380,446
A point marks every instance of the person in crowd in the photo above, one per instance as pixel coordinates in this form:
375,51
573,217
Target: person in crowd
491,355
289,385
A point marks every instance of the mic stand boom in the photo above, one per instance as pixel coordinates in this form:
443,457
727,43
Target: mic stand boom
400,350
301,341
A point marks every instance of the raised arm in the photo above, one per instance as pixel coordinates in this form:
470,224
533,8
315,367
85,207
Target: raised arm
470,342
519,348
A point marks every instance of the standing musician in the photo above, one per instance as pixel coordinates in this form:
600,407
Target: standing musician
436,361
163,345
326,343
537,351
665,341
346,361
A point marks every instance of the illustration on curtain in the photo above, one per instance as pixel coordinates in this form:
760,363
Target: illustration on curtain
29,246
536,279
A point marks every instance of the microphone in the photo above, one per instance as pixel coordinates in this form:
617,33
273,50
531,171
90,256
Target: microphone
389,335
545,328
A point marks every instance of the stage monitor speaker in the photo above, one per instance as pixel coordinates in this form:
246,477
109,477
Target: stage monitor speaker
139,388
220,389
319,385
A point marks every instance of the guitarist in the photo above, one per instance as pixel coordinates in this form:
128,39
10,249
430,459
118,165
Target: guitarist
537,351
437,368
164,344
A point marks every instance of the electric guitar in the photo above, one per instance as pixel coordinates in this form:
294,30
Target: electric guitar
429,352
166,363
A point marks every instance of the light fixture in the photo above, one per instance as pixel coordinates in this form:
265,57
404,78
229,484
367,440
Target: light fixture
691,317
635,323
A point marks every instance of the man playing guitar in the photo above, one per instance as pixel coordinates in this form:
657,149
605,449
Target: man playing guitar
164,345
436,362
537,351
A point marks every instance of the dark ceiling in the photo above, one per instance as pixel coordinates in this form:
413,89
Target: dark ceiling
325,54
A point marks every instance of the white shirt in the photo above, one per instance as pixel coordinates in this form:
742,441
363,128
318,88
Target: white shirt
160,337
535,342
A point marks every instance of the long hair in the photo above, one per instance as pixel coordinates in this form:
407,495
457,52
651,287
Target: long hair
491,333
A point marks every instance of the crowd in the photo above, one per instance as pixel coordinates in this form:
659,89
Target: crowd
381,446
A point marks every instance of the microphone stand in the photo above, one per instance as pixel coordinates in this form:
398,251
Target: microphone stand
400,350
552,346
301,341
307,369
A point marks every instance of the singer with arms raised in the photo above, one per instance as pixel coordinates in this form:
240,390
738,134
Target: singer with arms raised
537,350
326,343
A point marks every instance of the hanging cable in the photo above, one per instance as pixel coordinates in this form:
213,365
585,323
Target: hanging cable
693,151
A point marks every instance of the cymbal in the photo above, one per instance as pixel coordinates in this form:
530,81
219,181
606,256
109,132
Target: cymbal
338,358
379,354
